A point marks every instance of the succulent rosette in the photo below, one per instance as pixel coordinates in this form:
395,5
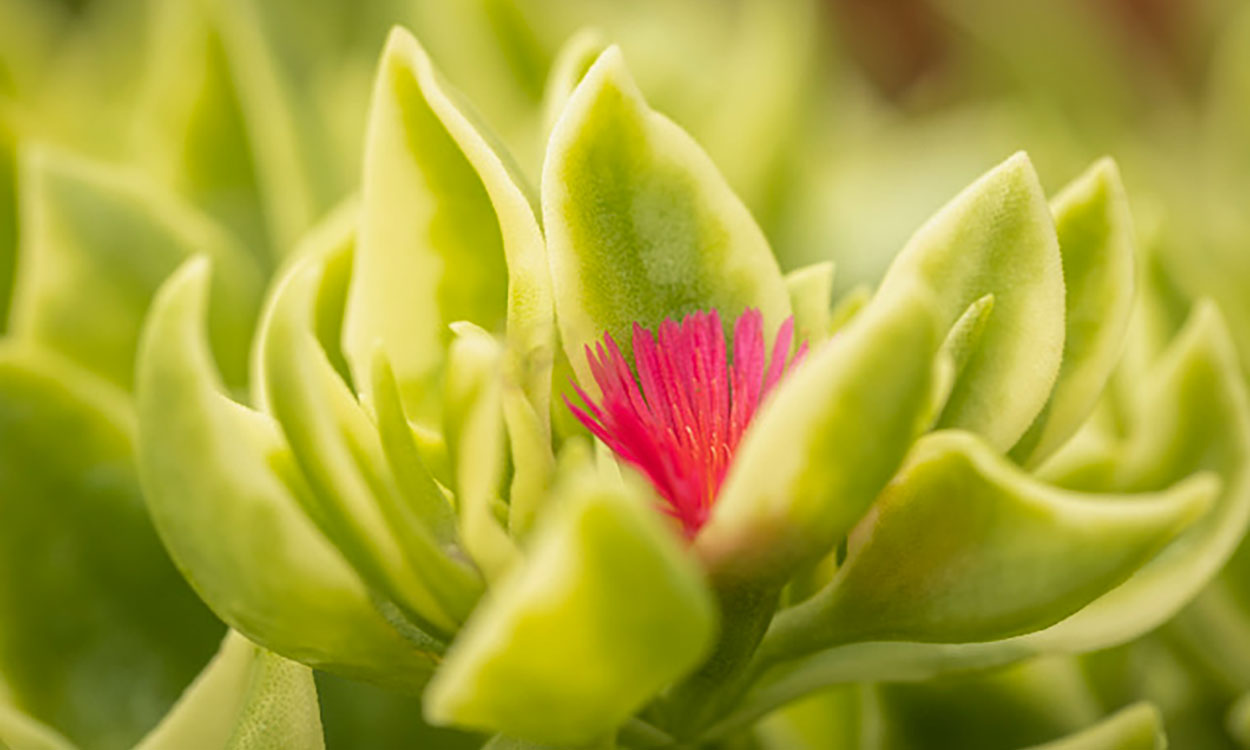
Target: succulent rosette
580,466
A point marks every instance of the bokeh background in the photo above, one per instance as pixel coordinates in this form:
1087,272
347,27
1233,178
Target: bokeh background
842,123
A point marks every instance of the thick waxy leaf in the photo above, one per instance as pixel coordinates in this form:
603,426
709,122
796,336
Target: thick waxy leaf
475,437
1138,727
448,233
825,444
996,237
1019,706
1239,720
811,298
94,233
20,732
962,546
221,485
246,699
223,122
99,632
640,225
355,498
8,215
1196,417
605,583
1096,241
570,66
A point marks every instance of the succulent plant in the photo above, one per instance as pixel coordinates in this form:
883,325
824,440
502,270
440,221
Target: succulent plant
393,503
578,465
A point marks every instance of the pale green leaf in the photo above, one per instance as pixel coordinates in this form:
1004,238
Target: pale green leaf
572,62
355,498
1096,241
996,237
99,632
962,546
825,444
20,732
474,426
1239,720
811,298
605,583
448,232
8,215
1138,727
221,485
1195,417
100,234
640,225
245,699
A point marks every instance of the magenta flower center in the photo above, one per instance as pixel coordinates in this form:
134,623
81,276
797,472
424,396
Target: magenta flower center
680,420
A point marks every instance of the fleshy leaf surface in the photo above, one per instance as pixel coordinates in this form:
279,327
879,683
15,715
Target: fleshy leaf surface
245,699
1138,727
606,583
221,486
100,234
996,237
1096,241
1194,415
355,498
448,232
640,225
99,633
962,546
825,444
811,299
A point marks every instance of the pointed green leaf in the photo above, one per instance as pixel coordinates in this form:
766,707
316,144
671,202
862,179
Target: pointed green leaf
1024,704
97,233
1096,242
223,120
293,170
572,62
605,583
20,732
245,699
474,427
448,232
811,298
8,215
221,485
99,632
963,546
355,498
1138,727
996,237
1239,720
1194,416
640,225
825,444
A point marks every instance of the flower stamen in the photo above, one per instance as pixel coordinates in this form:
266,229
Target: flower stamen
680,420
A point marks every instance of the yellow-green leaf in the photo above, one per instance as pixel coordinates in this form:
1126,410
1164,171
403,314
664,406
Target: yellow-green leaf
221,486
245,699
96,243
962,546
996,237
606,583
640,225
1096,241
448,232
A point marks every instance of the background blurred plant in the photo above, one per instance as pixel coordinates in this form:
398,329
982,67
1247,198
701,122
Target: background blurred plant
136,134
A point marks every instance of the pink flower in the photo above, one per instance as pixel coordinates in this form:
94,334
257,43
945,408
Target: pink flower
681,427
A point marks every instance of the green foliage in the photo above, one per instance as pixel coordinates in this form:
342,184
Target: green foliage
1027,444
